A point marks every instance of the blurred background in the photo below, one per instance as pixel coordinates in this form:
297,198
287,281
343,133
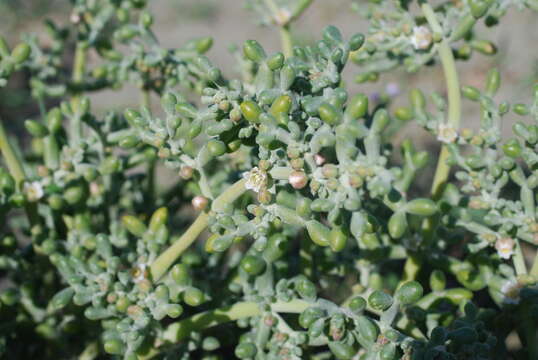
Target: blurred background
229,23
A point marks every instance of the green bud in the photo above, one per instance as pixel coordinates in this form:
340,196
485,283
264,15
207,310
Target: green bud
483,46
329,114
187,110
380,122
131,115
367,328
403,113
464,26
479,7
174,311
512,148
75,194
309,316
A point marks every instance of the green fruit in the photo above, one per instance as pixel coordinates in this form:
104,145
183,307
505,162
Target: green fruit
380,122
380,300
75,194
251,111
521,109
216,147
342,351
21,53
56,202
203,44
329,114
410,292
253,265
246,350
319,233
174,311
403,113
253,51
54,120
397,224
36,129
422,207
134,225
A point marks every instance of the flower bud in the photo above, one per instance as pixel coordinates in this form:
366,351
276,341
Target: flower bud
199,203
298,179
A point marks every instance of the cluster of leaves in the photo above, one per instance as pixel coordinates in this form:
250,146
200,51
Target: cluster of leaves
318,245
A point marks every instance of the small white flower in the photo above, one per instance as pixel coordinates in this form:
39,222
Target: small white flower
140,272
283,17
34,191
510,291
505,247
446,133
256,179
422,37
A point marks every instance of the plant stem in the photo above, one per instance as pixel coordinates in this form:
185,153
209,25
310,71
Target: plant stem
12,161
77,77
16,170
454,97
167,258
519,260
181,329
534,268
286,41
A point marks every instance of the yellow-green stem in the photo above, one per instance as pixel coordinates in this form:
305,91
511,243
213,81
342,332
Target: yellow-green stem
454,97
167,258
79,65
16,170
286,41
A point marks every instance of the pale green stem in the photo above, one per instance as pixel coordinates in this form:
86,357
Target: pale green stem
181,329
519,260
16,170
167,258
534,269
12,161
454,97
286,41
77,77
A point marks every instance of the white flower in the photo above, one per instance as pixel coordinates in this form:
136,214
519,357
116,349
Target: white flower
256,179
34,191
140,272
283,17
422,37
446,133
505,247
510,291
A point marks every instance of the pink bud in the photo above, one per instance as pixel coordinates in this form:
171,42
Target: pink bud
298,179
199,203
319,159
